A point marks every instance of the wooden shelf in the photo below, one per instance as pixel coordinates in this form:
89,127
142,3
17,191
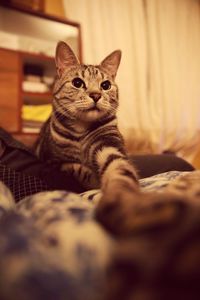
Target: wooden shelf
37,56
36,98
38,32
28,29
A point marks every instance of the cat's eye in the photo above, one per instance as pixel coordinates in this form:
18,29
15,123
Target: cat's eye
78,82
106,85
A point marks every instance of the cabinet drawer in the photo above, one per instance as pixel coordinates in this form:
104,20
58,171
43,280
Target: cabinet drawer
9,60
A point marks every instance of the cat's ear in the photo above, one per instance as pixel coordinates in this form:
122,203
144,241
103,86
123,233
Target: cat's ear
111,63
65,57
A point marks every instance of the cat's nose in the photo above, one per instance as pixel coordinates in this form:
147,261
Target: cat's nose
95,96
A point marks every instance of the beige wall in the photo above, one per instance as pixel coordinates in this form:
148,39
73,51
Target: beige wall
54,7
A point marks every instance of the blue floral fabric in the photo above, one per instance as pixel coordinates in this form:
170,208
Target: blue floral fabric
51,246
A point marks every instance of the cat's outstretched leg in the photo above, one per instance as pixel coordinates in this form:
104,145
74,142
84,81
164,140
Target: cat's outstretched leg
119,185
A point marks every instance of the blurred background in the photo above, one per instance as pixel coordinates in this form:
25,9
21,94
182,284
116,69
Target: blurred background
159,75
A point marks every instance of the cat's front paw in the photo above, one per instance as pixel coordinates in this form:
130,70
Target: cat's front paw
115,208
130,213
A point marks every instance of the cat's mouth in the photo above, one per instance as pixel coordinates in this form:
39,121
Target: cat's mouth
93,108
91,113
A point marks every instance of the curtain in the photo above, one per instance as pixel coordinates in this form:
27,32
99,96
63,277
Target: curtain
159,76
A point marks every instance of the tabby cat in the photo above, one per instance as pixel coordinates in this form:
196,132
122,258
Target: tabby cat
82,131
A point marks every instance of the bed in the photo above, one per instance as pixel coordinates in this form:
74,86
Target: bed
62,245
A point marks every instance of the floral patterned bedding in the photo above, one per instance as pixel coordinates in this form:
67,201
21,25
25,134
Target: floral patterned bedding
59,245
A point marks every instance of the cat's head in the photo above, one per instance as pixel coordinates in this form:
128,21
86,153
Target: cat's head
85,92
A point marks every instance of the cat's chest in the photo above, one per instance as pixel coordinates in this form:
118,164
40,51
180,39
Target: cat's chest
81,149
71,144
71,150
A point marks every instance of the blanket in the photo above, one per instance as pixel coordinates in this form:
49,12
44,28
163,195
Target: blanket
60,245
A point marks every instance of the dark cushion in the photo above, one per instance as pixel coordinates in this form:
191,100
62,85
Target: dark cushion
149,165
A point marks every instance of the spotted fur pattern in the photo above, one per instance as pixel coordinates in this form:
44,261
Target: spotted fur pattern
82,132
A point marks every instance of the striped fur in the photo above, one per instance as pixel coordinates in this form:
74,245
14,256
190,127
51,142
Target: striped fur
82,132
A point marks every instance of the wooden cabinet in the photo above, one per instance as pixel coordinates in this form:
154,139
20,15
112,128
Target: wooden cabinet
10,100
31,42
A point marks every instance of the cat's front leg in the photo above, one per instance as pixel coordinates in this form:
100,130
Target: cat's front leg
116,172
120,187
